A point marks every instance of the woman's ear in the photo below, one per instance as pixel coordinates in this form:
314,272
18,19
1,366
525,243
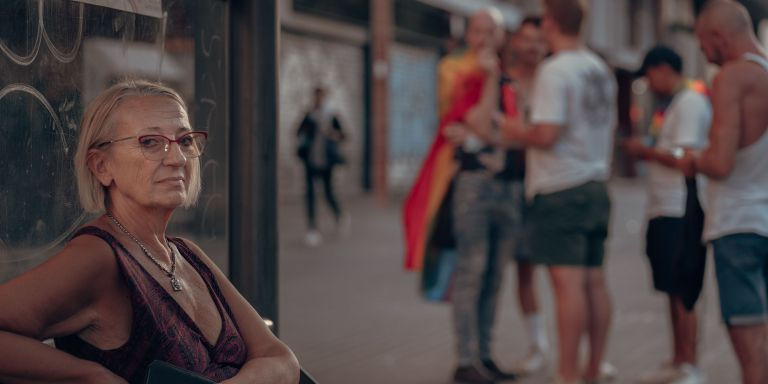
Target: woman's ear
97,163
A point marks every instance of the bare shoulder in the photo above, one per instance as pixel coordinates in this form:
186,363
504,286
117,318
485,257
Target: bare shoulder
738,75
86,258
89,247
55,297
92,250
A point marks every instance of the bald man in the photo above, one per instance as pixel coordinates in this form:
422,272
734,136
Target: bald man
736,162
478,271
491,180
483,35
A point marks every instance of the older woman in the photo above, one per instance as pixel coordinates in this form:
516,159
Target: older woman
122,293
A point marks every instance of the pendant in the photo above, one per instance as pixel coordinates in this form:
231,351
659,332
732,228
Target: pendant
175,284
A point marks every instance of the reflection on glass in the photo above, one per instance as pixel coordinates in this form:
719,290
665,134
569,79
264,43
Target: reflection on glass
55,55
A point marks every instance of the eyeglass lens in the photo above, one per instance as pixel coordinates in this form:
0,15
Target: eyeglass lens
155,147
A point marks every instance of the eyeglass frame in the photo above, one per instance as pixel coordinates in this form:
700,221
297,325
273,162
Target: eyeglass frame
170,141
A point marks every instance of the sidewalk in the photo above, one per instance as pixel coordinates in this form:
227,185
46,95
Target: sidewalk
353,315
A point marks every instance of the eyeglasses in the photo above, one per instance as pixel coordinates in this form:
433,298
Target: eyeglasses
155,147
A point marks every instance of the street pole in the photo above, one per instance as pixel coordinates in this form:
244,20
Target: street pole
253,153
381,37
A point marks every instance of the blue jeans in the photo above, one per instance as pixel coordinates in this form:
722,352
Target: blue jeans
488,218
741,263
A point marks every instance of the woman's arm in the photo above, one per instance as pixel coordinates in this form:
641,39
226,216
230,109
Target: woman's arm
54,299
269,360
26,360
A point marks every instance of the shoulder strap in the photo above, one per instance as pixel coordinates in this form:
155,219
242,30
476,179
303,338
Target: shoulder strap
749,56
107,237
98,232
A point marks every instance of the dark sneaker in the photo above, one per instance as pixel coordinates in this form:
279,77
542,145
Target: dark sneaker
469,374
497,373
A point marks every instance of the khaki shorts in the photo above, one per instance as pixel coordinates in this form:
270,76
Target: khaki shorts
569,227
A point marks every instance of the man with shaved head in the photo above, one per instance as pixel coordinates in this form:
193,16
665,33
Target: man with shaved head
736,163
478,271
489,186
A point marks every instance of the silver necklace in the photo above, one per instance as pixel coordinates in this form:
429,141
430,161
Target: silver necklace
171,273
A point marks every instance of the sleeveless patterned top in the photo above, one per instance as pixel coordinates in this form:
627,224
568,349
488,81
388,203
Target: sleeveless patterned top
160,329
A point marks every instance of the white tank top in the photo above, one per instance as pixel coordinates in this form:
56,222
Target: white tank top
739,203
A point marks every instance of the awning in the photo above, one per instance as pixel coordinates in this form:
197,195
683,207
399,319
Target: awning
512,15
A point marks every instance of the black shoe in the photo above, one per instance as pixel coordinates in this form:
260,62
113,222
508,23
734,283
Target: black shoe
497,373
469,374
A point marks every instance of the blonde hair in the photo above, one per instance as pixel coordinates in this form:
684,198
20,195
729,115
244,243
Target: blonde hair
98,124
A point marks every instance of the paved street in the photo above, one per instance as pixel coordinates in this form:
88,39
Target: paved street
353,315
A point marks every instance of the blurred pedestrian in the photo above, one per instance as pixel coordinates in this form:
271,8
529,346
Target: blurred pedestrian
521,53
737,193
487,219
673,240
319,136
524,51
569,143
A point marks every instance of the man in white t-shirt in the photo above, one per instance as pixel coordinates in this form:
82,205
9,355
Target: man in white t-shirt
673,240
570,141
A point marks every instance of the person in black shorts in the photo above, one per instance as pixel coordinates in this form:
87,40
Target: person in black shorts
674,236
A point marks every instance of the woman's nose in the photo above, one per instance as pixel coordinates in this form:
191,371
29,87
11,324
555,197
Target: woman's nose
174,155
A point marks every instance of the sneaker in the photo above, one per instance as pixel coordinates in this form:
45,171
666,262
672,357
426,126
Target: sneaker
608,372
497,373
533,362
313,238
688,374
469,374
665,373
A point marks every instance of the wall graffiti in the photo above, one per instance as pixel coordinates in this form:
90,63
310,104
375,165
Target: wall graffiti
54,55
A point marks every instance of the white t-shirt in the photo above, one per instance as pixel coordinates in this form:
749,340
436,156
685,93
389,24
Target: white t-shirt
686,124
577,91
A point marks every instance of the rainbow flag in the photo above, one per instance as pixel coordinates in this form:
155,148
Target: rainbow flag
428,206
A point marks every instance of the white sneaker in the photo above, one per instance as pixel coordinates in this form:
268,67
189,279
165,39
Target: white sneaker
688,374
665,373
533,362
608,372
313,238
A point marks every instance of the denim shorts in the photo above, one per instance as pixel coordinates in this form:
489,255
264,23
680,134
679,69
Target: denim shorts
741,264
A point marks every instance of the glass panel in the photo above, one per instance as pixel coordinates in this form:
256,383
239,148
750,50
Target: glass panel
55,56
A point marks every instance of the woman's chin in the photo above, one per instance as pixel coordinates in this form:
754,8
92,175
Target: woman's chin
172,201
